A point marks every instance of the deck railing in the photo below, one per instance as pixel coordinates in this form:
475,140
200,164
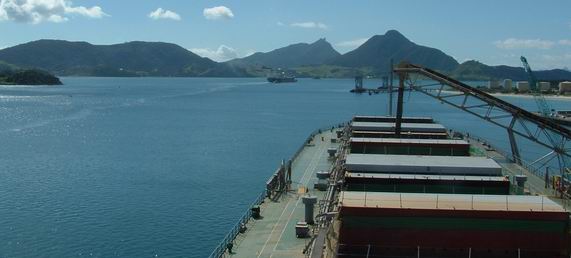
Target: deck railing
524,164
313,134
538,172
221,248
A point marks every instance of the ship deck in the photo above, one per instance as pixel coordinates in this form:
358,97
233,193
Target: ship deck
274,234
535,184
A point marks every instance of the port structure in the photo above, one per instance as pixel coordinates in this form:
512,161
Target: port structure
517,121
542,104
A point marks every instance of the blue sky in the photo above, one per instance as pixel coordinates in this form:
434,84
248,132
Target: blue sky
494,32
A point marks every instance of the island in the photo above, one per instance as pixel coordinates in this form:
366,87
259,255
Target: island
28,77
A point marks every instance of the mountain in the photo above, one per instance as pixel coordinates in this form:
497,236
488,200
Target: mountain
317,59
474,70
380,49
300,54
127,59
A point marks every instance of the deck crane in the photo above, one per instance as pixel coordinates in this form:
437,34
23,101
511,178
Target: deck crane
542,104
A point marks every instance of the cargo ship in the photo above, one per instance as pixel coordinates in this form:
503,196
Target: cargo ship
280,76
281,79
397,186
562,117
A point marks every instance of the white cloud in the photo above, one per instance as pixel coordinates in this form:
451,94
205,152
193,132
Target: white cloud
37,11
556,57
93,12
352,43
545,62
513,43
280,23
538,61
309,25
565,42
223,53
161,13
217,13
249,52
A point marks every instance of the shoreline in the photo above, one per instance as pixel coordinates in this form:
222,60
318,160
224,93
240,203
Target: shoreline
497,94
557,97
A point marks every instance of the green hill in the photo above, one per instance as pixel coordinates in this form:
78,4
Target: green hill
317,59
7,67
127,59
331,71
300,54
380,49
27,77
474,70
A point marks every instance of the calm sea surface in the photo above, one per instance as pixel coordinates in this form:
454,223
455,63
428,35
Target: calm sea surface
161,167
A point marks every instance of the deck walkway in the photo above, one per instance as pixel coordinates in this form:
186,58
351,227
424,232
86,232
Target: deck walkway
274,234
535,184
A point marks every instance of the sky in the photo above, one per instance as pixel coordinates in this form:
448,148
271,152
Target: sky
490,31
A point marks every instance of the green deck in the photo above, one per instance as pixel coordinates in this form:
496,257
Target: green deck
274,234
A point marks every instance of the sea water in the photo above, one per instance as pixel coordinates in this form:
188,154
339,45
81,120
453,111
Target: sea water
163,167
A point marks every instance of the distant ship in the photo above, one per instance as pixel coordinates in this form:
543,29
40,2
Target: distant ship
281,77
562,117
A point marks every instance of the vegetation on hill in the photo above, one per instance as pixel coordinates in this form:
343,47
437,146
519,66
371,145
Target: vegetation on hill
127,59
474,70
378,51
27,77
6,67
300,54
317,59
332,71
